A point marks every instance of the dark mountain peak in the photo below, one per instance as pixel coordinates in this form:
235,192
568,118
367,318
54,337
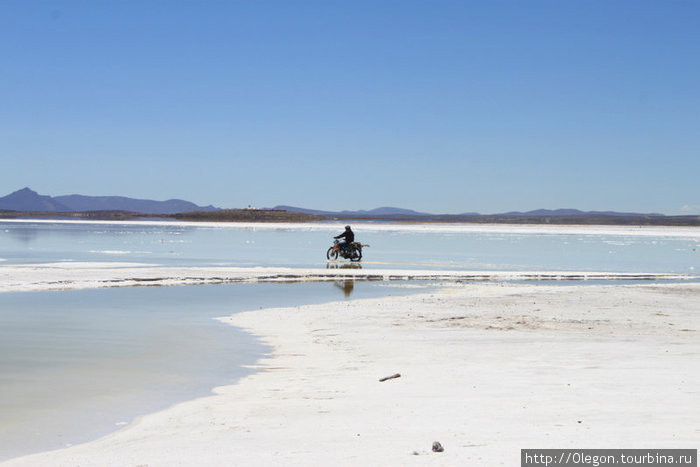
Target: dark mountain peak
25,191
27,199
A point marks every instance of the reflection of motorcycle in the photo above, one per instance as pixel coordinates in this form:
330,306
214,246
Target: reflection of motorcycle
353,251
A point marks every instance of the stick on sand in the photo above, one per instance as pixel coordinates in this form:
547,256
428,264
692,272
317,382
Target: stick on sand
390,377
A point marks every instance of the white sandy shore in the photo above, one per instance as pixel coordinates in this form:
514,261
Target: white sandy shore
486,369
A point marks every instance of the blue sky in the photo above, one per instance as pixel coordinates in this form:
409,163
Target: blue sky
438,106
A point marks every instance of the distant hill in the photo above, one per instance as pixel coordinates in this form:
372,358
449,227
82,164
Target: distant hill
378,212
540,216
28,200
387,211
391,212
120,203
247,215
574,212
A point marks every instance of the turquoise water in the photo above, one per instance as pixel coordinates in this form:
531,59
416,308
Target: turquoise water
75,365
305,246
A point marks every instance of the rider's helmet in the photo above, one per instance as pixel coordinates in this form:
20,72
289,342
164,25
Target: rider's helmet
347,227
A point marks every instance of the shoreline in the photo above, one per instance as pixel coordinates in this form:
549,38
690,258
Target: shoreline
365,225
109,356
82,275
486,369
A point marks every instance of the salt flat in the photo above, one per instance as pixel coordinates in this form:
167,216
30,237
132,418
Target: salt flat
488,366
486,369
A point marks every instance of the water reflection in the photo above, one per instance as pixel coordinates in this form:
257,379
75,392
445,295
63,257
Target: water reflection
40,231
346,286
24,235
331,265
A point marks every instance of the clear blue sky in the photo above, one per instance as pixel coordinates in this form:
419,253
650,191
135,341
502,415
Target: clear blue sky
438,106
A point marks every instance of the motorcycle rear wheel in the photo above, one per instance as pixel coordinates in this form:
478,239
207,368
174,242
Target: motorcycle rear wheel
332,253
356,254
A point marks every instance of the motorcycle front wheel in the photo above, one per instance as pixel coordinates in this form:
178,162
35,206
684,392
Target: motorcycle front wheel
332,253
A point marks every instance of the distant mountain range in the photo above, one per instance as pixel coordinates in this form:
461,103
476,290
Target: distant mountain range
576,212
378,212
391,212
28,200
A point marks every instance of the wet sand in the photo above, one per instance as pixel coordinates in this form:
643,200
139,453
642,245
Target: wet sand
486,369
81,275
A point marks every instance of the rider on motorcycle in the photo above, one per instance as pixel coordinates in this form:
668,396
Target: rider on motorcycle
348,237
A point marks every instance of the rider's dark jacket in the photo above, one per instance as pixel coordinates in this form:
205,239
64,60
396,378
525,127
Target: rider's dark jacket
348,235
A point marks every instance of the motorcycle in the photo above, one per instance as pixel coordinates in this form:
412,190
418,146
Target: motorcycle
353,251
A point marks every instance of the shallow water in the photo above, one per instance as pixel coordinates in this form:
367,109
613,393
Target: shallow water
402,246
75,365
